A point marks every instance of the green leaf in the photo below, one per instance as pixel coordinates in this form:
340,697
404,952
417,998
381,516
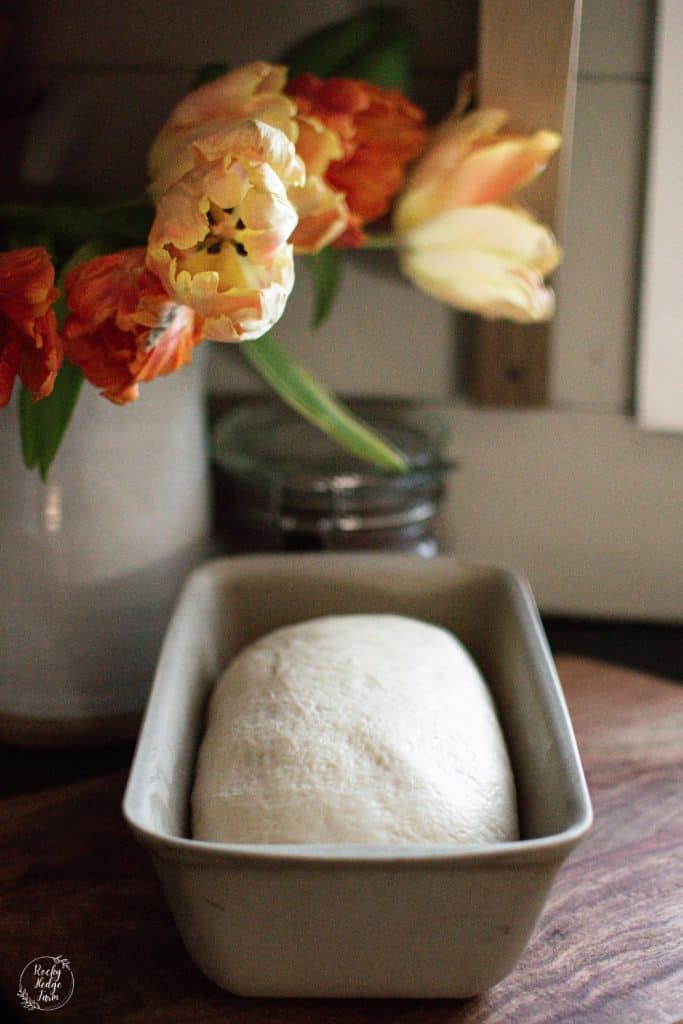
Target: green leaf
27,429
43,423
71,224
387,64
209,73
310,399
325,266
336,49
128,221
65,221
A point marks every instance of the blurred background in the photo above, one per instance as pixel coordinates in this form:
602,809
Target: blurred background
558,475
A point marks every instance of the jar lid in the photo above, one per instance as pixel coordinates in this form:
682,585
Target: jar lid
265,443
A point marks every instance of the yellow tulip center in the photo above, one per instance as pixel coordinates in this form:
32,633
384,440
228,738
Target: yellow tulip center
225,226
222,250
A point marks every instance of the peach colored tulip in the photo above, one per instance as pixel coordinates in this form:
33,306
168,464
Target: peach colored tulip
488,259
255,92
252,91
460,237
219,241
123,328
30,345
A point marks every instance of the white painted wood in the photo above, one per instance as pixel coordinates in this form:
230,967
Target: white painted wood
586,504
144,33
660,362
83,136
383,337
595,327
616,38
445,35
527,66
155,33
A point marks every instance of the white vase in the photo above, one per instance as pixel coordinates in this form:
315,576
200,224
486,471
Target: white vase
91,561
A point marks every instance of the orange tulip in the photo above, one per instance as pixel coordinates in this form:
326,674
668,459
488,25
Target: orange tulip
254,92
380,132
219,241
30,345
460,237
123,328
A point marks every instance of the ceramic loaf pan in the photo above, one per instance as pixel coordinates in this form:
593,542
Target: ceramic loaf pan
356,920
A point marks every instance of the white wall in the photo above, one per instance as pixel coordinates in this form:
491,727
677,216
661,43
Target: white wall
576,495
659,369
573,494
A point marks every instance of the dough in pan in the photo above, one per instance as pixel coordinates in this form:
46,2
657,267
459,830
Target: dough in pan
354,729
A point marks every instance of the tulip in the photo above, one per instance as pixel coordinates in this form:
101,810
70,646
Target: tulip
323,211
380,132
460,237
30,346
219,241
487,259
123,329
255,92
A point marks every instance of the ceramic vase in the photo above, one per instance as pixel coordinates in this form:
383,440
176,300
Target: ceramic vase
91,560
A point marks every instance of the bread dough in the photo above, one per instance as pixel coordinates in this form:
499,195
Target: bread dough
353,729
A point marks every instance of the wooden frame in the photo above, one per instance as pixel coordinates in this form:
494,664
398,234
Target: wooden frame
528,57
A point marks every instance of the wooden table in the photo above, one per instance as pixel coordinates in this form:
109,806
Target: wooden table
608,950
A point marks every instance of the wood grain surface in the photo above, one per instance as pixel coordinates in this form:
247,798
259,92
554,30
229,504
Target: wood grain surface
608,949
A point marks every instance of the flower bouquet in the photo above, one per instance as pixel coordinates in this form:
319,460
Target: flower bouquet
319,153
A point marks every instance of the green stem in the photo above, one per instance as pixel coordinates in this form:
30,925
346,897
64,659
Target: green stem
43,424
127,204
310,399
384,241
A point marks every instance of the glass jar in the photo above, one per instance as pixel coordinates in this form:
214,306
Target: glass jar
282,485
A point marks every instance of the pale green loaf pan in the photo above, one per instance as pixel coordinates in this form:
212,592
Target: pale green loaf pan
356,920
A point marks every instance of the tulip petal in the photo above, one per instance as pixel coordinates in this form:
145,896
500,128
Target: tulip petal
507,230
235,314
199,131
379,131
482,283
254,90
30,345
494,171
450,142
219,241
470,162
257,140
317,145
323,215
486,259
123,329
